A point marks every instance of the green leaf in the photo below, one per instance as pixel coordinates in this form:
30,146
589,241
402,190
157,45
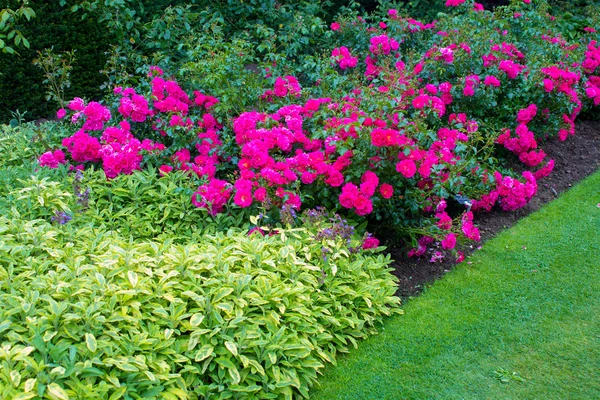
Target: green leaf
225,362
48,336
56,392
232,348
133,278
90,342
235,375
196,319
25,396
204,352
29,384
117,394
221,293
15,378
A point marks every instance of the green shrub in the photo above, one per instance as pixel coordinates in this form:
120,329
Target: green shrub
89,314
145,205
23,144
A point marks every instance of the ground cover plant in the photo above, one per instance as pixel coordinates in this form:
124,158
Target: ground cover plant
232,166
519,320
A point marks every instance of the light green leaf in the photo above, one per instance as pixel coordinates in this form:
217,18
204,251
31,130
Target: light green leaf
15,378
29,384
196,319
125,366
56,392
24,352
225,362
117,394
90,342
58,370
25,396
223,292
259,368
150,376
48,336
133,278
235,375
204,352
232,348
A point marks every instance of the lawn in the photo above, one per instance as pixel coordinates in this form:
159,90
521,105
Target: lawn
520,319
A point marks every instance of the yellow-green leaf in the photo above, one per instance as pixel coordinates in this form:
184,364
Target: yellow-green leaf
204,352
56,392
49,335
117,394
235,375
25,396
232,348
223,292
15,378
133,278
29,384
196,319
90,342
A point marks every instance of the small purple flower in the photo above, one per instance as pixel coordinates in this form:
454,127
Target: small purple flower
61,217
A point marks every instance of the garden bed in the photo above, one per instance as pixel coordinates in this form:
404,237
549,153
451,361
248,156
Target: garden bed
575,158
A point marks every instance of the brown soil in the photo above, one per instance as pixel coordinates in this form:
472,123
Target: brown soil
575,159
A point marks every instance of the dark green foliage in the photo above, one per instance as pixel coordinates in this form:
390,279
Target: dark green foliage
54,26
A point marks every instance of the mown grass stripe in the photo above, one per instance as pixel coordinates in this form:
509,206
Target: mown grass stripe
522,321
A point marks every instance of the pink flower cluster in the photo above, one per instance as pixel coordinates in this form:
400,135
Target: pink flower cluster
52,159
383,44
436,103
514,194
511,193
94,113
284,86
213,196
511,68
592,58
592,89
117,148
471,82
259,135
134,106
561,80
468,228
83,147
491,80
522,145
122,158
359,197
454,3
446,54
344,59
169,97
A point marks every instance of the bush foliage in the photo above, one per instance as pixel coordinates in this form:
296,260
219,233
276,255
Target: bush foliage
89,314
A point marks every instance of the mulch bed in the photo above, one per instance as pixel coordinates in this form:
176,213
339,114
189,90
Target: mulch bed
575,158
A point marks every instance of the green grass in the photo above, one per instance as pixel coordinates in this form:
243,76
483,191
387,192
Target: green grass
521,321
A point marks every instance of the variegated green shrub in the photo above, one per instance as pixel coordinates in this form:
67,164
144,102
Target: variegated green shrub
87,313
147,205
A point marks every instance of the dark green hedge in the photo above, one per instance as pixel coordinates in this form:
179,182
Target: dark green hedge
21,81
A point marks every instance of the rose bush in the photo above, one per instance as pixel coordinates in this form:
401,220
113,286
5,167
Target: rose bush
409,119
